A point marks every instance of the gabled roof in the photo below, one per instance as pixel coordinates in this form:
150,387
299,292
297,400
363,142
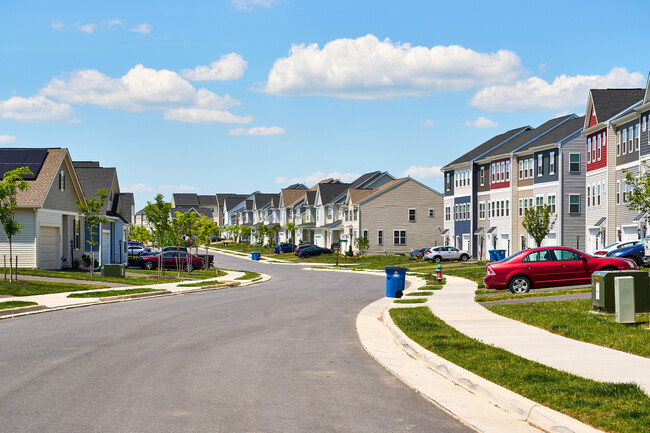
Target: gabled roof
310,198
291,196
185,199
262,200
488,145
93,177
329,192
122,206
222,196
232,202
609,102
357,195
207,200
199,210
558,134
527,136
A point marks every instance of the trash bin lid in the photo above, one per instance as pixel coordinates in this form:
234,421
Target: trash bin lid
395,268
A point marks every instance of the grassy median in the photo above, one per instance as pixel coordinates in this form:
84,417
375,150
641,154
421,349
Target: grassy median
85,276
486,295
15,304
108,293
29,288
622,408
575,319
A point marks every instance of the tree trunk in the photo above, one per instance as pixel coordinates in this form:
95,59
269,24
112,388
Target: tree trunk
11,267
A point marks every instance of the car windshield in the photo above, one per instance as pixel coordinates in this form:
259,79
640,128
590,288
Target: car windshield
514,255
641,242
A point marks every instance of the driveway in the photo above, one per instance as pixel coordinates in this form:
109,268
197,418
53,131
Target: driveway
276,357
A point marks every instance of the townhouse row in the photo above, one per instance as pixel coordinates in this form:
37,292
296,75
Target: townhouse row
54,236
567,163
395,215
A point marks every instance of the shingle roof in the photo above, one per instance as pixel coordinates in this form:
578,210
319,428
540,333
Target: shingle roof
207,200
39,187
609,102
127,200
185,199
222,196
487,145
231,202
364,178
357,195
526,136
558,134
331,191
262,200
291,196
199,210
94,178
310,198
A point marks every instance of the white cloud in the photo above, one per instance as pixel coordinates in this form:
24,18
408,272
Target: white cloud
187,188
317,177
140,89
258,130
428,123
57,25
143,28
564,92
481,122
86,28
228,67
35,108
420,172
249,4
112,23
4,138
201,115
367,68
138,187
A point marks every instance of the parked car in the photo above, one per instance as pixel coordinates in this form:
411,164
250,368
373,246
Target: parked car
302,247
615,246
284,248
171,248
419,252
635,252
134,250
548,267
438,254
216,239
312,250
171,259
134,244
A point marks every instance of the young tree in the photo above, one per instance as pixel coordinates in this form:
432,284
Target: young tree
291,228
273,231
204,228
139,234
638,196
90,211
538,222
11,183
158,216
244,232
362,245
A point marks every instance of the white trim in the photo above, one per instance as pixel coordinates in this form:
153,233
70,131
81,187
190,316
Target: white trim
628,165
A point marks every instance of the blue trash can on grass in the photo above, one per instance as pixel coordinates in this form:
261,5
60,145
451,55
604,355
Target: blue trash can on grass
395,279
493,255
256,256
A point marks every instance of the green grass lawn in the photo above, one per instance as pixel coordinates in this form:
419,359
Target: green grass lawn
248,275
420,293
85,276
28,288
620,408
197,274
201,284
107,293
574,319
411,301
485,295
15,304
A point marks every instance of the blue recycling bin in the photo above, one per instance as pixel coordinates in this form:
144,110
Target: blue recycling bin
501,254
493,255
256,256
395,279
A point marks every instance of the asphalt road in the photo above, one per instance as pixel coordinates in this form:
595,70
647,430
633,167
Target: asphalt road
282,356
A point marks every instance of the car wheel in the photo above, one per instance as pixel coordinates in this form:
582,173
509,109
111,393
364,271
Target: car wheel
635,259
519,284
189,267
464,258
437,259
148,265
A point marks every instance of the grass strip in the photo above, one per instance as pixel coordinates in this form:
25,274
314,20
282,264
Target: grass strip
29,288
15,304
85,276
201,284
248,275
107,293
500,295
420,293
614,407
411,301
574,319
196,274
431,287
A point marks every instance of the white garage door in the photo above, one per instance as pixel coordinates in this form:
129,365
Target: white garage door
106,247
50,249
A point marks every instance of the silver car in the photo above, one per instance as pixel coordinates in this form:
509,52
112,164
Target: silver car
438,254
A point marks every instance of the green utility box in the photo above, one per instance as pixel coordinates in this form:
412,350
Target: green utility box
602,290
114,270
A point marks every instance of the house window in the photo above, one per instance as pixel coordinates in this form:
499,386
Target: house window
540,165
574,203
481,210
624,141
525,205
539,201
618,143
598,193
503,171
593,149
380,237
643,124
593,195
77,234
526,169
482,176
521,169
448,182
412,215
493,210
507,171
631,139
637,136
447,213
551,202
492,172
329,213
521,207
551,163
574,163
431,213
61,181
530,167
599,146
399,237
507,207
589,150
618,192
625,189
365,234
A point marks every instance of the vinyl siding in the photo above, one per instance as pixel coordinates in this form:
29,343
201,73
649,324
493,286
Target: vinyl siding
62,200
624,216
572,232
628,156
389,212
645,135
24,243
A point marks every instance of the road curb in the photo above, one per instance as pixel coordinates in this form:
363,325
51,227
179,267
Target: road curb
527,410
133,296
21,310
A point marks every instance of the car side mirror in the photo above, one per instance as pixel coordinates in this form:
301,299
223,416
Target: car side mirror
584,258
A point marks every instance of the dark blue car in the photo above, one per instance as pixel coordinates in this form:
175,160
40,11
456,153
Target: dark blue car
284,248
635,252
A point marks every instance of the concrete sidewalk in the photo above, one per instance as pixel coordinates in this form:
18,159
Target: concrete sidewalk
455,305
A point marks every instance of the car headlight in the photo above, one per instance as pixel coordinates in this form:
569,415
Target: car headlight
614,254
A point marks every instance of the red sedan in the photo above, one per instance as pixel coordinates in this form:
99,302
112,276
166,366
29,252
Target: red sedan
548,267
171,260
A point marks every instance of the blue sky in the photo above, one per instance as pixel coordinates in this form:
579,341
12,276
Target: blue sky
244,95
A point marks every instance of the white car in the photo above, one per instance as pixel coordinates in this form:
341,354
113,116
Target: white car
603,251
438,254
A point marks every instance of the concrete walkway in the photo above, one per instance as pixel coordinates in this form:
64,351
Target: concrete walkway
455,305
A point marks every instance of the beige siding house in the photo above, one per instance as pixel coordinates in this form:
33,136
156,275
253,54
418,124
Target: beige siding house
397,218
